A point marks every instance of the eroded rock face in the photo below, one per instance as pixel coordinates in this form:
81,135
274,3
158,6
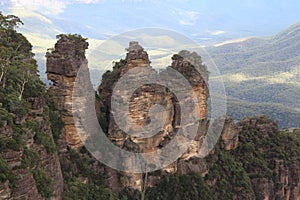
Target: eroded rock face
5,192
286,182
144,97
195,165
289,178
262,124
13,158
25,185
229,136
63,64
263,188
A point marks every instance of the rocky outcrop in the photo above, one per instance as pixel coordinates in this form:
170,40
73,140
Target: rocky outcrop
262,124
25,184
5,191
286,173
48,161
194,165
288,178
287,185
67,59
263,188
230,135
63,64
144,97
13,158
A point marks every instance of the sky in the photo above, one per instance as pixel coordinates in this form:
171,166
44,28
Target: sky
202,20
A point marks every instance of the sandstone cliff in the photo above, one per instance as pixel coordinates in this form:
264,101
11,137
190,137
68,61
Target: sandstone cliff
63,64
284,166
37,155
261,186
29,163
145,97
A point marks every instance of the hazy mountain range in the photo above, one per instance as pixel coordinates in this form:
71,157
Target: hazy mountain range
261,74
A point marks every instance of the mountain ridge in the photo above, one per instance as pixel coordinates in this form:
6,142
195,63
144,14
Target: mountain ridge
262,70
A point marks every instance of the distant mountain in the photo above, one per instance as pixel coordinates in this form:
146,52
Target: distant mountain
255,70
263,71
254,56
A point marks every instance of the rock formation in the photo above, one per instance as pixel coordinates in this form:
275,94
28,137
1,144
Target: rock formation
25,185
145,97
63,64
286,171
230,135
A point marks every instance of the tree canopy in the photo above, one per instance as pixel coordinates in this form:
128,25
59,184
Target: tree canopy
9,21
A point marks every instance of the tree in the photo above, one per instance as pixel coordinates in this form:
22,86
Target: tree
18,69
9,21
9,43
6,55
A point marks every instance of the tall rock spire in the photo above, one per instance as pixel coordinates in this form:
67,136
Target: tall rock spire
63,65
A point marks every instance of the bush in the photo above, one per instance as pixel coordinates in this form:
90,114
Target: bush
43,182
6,173
30,158
45,140
180,187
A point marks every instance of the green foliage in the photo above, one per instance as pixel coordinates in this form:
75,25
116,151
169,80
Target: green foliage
56,125
84,165
30,159
9,142
75,39
81,191
95,185
14,105
9,21
5,116
270,76
18,70
230,176
109,78
285,116
72,37
34,88
180,187
43,182
258,150
45,140
6,173
280,145
19,80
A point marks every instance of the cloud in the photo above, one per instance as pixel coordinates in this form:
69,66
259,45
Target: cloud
52,7
90,1
187,17
185,23
218,32
44,6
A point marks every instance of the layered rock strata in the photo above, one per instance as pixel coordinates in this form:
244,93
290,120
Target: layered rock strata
63,64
